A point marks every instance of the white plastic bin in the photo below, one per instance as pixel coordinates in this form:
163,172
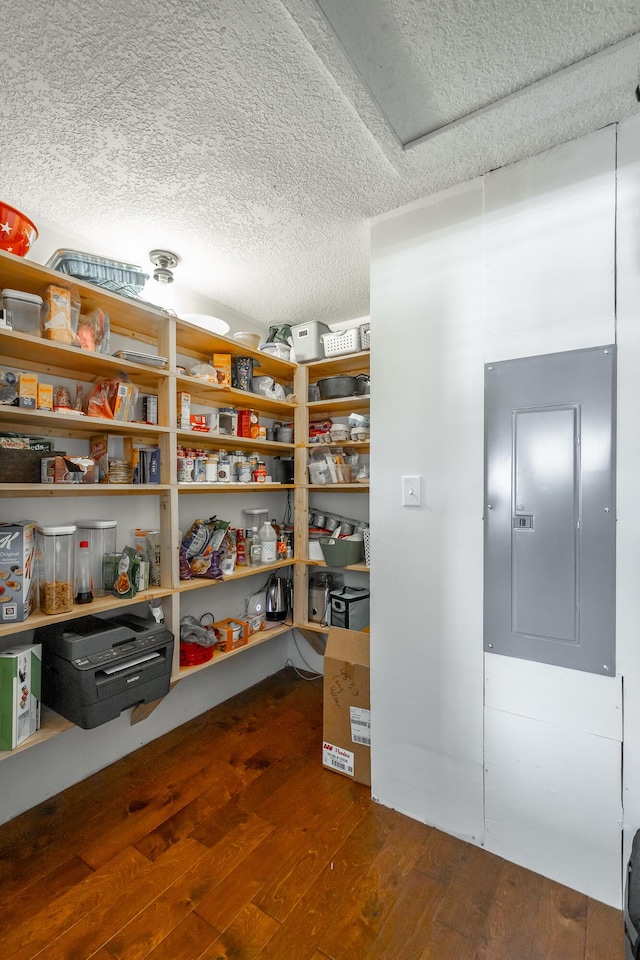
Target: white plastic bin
307,341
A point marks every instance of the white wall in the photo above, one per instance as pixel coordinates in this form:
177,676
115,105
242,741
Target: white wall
426,578
518,263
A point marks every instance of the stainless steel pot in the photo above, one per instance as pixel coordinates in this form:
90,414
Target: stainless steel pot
332,387
363,385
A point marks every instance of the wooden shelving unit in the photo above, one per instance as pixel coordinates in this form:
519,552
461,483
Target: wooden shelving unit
311,373
180,342
151,331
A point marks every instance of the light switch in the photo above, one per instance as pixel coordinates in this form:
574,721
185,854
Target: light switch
411,491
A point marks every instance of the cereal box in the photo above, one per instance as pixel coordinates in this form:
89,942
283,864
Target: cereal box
17,584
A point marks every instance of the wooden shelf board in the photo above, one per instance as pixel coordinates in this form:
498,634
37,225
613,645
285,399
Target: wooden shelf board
312,625
193,340
60,360
81,489
241,572
137,320
341,406
209,393
343,487
23,419
52,725
321,563
357,444
350,363
99,605
197,439
254,641
231,487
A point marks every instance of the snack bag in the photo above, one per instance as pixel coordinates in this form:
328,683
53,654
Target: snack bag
125,581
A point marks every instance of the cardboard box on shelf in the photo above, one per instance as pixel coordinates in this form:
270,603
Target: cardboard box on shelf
184,410
222,364
346,746
20,692
28,390
45,396
17,581
230,634
68,470
247,420
99,453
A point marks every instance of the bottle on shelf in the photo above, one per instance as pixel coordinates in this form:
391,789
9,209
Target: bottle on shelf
84,593
241,549
268,539
253,548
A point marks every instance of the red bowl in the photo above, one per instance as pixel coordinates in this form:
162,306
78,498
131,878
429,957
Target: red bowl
17,232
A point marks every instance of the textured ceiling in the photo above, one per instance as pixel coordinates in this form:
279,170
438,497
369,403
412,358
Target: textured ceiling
243,136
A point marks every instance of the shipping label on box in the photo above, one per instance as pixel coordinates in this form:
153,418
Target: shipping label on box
20,692
346,705
17,583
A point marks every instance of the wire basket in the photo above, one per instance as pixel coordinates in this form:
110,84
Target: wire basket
335,344
365,336
366,536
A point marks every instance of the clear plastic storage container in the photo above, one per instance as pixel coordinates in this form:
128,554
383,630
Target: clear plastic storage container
24,311
101,536
55,557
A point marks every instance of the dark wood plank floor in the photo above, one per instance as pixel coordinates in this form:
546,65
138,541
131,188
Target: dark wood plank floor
226,840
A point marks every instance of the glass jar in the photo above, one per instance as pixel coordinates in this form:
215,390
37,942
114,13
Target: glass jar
55,558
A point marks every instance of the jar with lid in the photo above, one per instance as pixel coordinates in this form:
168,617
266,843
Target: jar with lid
101,542
260,472
55,565
211,468
224,470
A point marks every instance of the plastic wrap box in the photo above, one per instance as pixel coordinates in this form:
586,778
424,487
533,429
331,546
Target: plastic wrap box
17,584
346,745
20,692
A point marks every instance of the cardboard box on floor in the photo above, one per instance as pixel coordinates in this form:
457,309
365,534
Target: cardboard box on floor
346,731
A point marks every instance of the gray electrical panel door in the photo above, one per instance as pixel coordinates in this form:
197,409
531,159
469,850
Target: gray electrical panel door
549,570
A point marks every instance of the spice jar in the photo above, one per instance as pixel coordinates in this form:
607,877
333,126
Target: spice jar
55,555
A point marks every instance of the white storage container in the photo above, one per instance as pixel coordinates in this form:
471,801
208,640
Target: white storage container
307,341
24,311
346,341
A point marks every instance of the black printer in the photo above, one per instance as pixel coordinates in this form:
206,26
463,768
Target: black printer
94,668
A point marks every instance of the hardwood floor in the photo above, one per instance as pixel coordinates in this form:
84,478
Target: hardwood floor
227,840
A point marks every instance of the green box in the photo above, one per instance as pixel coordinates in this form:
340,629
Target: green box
20,692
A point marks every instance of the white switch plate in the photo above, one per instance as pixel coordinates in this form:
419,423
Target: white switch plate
411,491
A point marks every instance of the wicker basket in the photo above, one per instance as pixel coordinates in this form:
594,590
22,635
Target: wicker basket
23,466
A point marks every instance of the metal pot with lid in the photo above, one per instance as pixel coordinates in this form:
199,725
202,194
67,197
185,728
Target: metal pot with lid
340,386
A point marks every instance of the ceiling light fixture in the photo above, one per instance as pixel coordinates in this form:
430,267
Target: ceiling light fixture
165,262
